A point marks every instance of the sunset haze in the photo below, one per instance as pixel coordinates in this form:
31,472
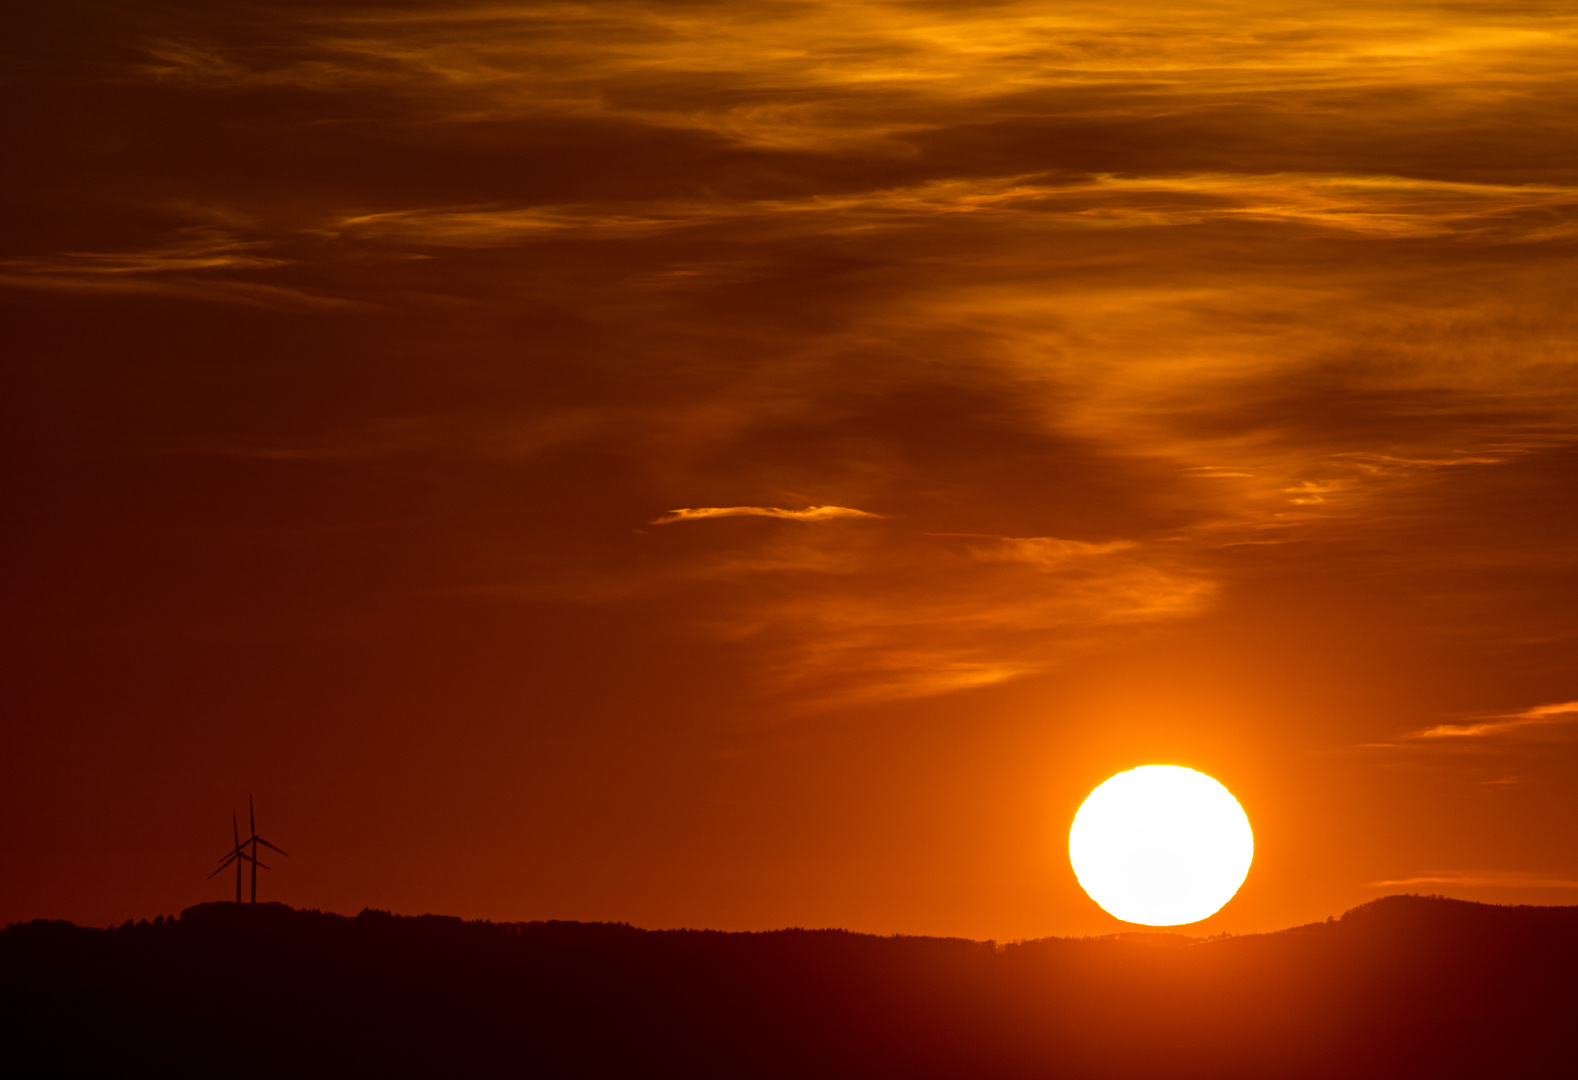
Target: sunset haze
760,465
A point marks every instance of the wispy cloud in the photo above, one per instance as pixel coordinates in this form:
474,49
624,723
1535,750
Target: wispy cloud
810,513
897,615
1505,724
1040,550
1124,290
1383,206
198,264
853,617
818,75
205,252
1481,879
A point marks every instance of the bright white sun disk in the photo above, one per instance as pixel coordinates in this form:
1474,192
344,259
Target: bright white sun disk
1161,845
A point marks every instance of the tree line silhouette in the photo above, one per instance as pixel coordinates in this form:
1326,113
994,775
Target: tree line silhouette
1405,986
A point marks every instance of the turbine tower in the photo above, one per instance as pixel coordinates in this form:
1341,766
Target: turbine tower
240,853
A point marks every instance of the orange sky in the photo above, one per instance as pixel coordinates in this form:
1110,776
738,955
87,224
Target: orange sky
759,464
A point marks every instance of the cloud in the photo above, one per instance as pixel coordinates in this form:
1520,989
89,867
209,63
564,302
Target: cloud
835,618
1382,206
816,75
253,294
1537,717
1098,300
1041,550
1490,879
197,253
1496,726
810,513
198,264
890,615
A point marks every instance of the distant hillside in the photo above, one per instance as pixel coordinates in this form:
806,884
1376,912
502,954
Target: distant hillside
1405,986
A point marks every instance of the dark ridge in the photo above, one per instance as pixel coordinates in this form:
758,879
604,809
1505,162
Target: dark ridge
1404,986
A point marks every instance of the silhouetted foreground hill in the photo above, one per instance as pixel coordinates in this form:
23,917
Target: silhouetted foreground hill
1405,986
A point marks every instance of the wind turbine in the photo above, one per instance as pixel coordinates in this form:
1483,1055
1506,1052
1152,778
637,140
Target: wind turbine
237,855
239,852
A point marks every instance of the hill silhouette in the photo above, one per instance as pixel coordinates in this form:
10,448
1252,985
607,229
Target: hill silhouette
1404,986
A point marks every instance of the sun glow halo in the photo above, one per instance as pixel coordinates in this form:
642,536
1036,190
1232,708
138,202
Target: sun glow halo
1161,845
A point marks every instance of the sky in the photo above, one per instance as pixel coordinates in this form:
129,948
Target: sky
761,464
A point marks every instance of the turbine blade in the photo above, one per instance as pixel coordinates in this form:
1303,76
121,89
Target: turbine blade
226,863
264,866
235,829
266,844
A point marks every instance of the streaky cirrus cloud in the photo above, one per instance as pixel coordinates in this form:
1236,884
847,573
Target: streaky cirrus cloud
1537,717
1483,879
1381,206
888,614
804,75
1495,726
194,264
849,617
1199,279
1040,550
810,513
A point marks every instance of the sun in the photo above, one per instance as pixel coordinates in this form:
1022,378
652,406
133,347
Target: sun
1161,845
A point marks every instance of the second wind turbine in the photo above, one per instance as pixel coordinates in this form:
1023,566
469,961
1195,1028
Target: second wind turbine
240,853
